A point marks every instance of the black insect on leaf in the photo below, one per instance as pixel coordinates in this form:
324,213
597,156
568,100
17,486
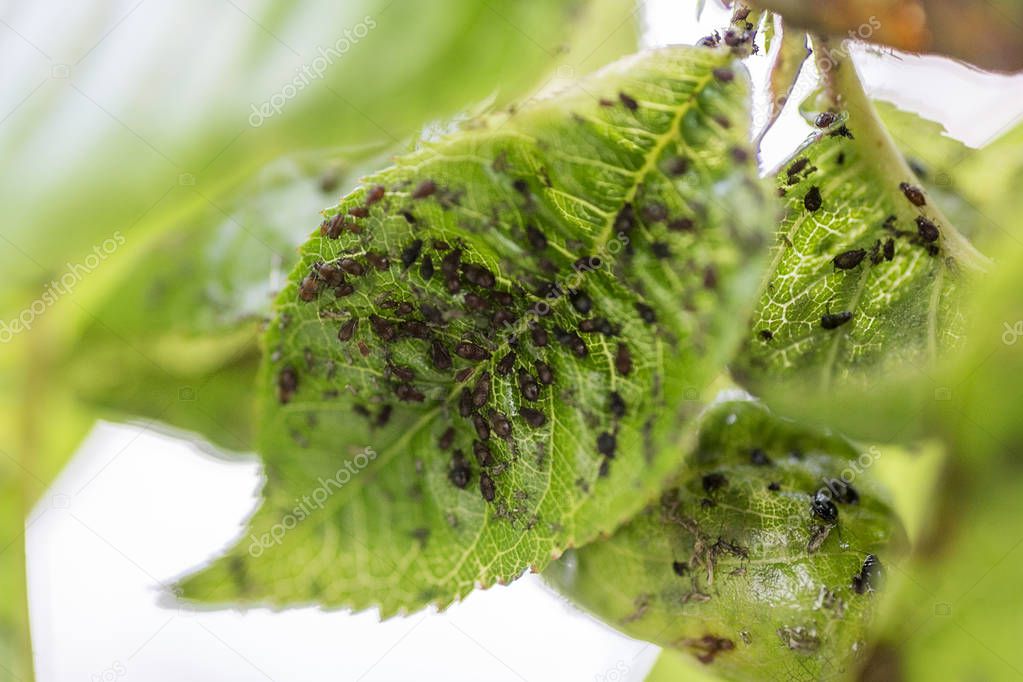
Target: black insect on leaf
464,359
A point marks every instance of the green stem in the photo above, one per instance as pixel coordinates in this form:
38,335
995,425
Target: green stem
847,94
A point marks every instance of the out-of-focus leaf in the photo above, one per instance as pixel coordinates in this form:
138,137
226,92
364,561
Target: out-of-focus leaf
987,34
755,561
503,339
127,119
957,612
867,271
180,322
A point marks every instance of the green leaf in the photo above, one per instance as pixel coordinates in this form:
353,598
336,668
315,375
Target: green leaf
867,272
958,610
181,318
322,73
645,167
672,666
734,567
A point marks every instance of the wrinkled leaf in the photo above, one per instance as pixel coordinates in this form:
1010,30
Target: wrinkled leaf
733,565
867,272
987,34
625,211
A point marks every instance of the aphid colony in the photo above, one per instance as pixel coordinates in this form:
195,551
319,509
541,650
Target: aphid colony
822,508
473,293
926,235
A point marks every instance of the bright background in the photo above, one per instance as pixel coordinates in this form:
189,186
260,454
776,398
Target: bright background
135,508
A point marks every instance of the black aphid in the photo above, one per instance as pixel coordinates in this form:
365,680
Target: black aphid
676,165
309,287
680,568
626,219
660,250
606,444
774,486
414,329
724,74
499,422
544,373
504,366
383,328
426,268
471,351
927,230
536,238
528,386
330,274
487,487
401,372
482,452
573,342
835,320
358,211
352,267
539,335
713,481
424,189
766,335
408,393
581,302
849,259
439,356
534,418
345,289
450,263
797,167
758,457
287,384
410,253
623,360
378,260
914,194
812,201
375,194
648,314
447,438
465,402
616,405
478,275
481,426
823,508
481,391
843,492
332,227
347,330
825,119
889,249
870,576
460,472
629,103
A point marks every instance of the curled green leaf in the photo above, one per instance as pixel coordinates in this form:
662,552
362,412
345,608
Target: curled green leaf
762,560
867,271
492,351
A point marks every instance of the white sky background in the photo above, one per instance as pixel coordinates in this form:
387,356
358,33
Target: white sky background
135,509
